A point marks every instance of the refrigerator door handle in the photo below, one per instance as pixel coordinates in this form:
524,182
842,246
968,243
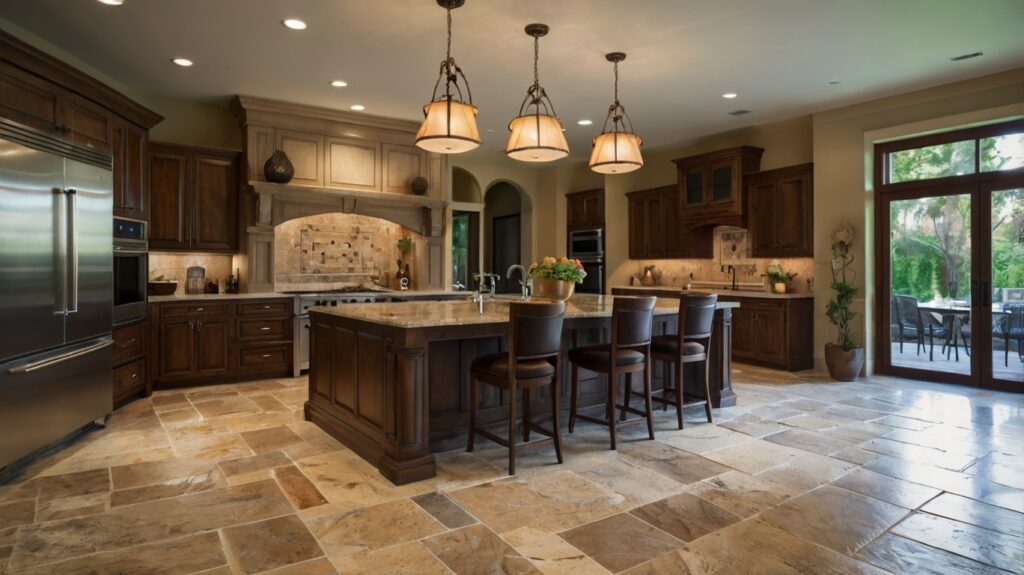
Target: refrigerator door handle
60,243
51,361
72,273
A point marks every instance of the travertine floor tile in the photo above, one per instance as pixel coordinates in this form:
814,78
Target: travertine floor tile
621,541
270,544
755,456
476,549
836,518
742,494
211,479
551,554
977,513
319,566
679,465
685,516
885,488
810,441
901,555
989,547
806,472
444,510
271,439
703,438
181,556
373,528
298,488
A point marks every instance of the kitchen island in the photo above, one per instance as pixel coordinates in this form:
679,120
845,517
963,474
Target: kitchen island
391,380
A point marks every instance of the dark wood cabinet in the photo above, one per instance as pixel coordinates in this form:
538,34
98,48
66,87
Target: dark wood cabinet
193,197
655,231
221,340
29,100
710,186
780,212
128,145
585,210
84,122
774,332
129,362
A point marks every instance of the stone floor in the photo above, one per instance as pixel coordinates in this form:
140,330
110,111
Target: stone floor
803,476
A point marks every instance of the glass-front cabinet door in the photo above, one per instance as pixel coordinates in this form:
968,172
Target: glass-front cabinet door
693,187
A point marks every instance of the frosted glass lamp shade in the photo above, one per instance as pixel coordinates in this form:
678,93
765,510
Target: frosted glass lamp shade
536,138
449,127
616,153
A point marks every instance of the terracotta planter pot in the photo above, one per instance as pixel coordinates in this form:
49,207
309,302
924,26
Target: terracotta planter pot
553,289
843,365
780,287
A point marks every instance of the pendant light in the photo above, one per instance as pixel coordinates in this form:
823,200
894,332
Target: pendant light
449,123
616,151
536,135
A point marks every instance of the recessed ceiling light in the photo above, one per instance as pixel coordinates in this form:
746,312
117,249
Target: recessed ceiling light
183,62
357,107
294,24
966,56
112,2
584,122
729,95
339,83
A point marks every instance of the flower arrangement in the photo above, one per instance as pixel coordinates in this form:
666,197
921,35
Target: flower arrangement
562,269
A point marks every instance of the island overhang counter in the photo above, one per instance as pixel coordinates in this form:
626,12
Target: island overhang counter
391,380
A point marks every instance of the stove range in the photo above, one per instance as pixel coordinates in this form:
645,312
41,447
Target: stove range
334,298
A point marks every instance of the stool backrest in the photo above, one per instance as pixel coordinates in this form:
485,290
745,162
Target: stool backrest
535,329
632,321
696,315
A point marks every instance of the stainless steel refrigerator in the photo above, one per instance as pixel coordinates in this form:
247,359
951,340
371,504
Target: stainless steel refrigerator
56,291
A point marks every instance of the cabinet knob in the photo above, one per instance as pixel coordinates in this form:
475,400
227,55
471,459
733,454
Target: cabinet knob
135,375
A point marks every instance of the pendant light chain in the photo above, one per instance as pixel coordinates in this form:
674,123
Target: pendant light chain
536,57
448,59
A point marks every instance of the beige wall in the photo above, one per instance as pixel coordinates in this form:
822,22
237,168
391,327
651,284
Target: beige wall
843,141
185,121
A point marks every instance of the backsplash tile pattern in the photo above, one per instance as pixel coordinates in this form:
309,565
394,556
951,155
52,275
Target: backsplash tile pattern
172,267
330,251
731,248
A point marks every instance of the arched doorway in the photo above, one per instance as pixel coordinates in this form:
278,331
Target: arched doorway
507,231
467,203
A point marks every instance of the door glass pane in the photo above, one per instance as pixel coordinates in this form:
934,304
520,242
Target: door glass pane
930,274
1002,153
939,161
721,184
1008,285
460,251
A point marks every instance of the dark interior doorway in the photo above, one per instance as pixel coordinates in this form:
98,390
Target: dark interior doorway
505,241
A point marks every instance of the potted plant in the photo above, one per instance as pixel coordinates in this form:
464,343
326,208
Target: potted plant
779,278
844,358
556,278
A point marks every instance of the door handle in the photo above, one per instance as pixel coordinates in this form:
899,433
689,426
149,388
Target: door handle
986,295
51,361
60,248
72,297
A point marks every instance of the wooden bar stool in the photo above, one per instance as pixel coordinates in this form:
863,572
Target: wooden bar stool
628,353
534,346
691,344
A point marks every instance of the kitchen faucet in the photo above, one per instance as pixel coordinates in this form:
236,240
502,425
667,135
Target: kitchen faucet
731,270
525,281
482,279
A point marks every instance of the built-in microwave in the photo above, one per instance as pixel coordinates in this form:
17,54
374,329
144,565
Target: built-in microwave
131,270
587,244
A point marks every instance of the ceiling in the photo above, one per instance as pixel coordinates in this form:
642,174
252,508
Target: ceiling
779,56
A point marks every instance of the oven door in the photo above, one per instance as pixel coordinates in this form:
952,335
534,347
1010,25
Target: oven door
594,282
131,272
587,244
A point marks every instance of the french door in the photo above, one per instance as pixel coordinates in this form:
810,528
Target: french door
950,257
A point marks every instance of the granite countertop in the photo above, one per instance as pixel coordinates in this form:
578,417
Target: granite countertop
214,296
449,313
723,292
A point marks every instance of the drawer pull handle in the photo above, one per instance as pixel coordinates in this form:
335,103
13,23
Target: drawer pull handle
135,375
129,342
199,309
266,307
265,356
264,328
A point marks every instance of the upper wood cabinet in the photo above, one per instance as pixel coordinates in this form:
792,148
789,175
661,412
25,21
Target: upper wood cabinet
402,164
711,185
780,212
654,229
306,153
585,209
194,195
128,145
353,163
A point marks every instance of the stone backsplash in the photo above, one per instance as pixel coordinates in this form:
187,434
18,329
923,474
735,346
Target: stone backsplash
173,267
330,251
730,248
